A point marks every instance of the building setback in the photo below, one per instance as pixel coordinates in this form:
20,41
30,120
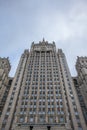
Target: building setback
42,95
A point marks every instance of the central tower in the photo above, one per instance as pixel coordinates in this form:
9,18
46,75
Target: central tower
42,96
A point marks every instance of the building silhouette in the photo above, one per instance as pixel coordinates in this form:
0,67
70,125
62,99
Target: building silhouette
42,95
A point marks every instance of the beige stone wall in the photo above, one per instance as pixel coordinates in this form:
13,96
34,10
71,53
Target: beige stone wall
41,128
4,79
42,70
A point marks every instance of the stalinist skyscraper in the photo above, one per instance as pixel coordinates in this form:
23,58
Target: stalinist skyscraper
42,95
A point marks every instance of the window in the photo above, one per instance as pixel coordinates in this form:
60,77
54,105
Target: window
3,125
7,113
21,119
80,128
51,119
31,119
41,119
61,119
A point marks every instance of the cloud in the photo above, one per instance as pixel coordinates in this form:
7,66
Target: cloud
62,26
22,22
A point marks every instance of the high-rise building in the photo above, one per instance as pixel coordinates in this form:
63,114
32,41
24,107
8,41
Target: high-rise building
81,100
42,95
4,80
81,67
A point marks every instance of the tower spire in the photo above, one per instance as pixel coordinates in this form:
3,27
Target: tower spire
43,39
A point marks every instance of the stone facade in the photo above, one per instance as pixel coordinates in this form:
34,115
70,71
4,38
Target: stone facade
81,67
4,81
80,97
42,95
40,128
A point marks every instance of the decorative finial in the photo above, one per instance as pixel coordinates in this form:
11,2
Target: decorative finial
53,42
43,39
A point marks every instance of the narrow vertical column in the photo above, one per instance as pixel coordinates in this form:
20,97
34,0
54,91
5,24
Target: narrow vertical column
20,70
68,97
37,107
23,84
55,116
30,90
46,102
68,83
66,114
82,121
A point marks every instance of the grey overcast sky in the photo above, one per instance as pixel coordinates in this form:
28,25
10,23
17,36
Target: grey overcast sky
25,21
